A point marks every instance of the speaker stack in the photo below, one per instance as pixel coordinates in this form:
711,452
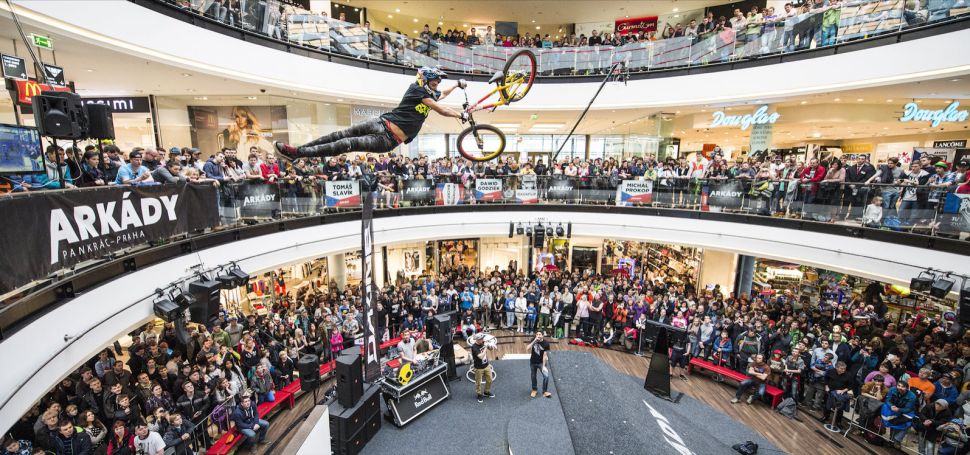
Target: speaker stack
309,367
60,115
100,121
206,305
963,312
444,332
356,416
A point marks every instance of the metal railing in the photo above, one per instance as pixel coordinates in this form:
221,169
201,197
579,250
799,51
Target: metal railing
803,28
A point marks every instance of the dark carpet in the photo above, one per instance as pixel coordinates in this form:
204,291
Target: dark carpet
512,422
610,413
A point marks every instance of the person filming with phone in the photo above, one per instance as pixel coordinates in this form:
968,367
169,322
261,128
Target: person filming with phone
539,362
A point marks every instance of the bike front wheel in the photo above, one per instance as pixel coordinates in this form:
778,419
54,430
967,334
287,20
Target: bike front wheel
481,142
520,73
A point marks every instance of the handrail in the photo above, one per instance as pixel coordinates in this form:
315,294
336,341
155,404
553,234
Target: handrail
306,200
400,54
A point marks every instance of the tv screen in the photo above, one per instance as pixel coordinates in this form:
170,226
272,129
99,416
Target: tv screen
21,151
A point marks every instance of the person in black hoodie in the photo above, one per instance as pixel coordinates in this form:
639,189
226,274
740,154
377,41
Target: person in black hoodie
68,441
932,415
839,384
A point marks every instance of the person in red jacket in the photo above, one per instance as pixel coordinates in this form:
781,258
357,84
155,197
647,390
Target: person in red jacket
270,169
810,176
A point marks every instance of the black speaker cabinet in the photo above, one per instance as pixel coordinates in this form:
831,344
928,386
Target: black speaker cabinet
309,367
100,121
345,422
206,305
444,328
963,311
54,118
350,380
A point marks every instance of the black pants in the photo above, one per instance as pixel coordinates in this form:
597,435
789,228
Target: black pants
370,136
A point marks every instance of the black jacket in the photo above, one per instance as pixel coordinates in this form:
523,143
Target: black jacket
173,438
193,408
77,444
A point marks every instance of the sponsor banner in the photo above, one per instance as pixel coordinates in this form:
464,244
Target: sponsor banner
14,67
488,190
419,190
449,194
527,196
419,398
372,365
726,194
561,189
634,191
635,25
257,200
54,230
342,193
26,90
528,182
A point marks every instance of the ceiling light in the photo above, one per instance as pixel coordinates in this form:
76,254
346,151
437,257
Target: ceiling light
533,21
889,101
919,101
441,23
676,9
202,98
397,10
549,125
506,125
627,16
356,9
186,75
859,99
90,70
250,97
390,16
340,100
676,15
538,27
804,102
885,127
954,80
816,134
415,31
415,19
838,99
464,25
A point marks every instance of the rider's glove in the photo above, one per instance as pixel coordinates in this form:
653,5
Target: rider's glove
462,83
463,117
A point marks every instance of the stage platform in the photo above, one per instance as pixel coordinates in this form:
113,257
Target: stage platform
594,410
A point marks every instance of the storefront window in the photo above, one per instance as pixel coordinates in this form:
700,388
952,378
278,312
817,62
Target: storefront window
455,254
670,263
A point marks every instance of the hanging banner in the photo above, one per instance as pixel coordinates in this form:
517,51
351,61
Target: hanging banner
49,231
418,190
449,194
342,193
372,364
258,200
527,196
634,191
726,194
528,182
561,189
761,134
488,190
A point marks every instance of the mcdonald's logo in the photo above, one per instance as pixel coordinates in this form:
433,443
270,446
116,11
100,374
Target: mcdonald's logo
26,90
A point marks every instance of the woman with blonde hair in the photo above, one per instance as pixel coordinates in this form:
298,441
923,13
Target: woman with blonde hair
244,131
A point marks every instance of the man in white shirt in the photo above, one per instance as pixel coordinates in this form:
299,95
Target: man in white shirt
148,442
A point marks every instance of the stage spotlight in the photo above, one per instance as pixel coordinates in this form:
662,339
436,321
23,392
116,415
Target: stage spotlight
922,283
168,310
242,278
560,231
226,281
549,231
184,300
519,229
941,287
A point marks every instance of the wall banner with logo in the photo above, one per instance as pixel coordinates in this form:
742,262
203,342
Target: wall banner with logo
53,230
488,190
561,189
634,191
727,194
635,25
419,190
342,193
372,364
449,194
258,200
526,196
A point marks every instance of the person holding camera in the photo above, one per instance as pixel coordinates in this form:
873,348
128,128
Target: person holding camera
539,362
482,368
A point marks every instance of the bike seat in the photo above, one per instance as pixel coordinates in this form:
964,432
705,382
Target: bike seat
498,76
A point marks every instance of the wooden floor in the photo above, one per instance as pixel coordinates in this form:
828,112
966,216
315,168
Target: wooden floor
801,436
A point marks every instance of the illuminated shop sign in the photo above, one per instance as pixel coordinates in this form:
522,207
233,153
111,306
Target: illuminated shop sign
759,117
952,113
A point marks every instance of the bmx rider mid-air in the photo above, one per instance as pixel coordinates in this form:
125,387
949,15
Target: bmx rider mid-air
383,134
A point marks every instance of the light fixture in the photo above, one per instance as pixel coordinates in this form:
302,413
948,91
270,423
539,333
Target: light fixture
676,9
390,16
464,25
533,21
250,97
804,102
859,99
538,27
340,100
560,231
838,99
519,229
889,101
186,75
397,10
941,287
415,31
90,70
816,135
202,98
441,23
415,19
923,282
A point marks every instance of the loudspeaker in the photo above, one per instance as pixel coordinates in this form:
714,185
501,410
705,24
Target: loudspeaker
941,287
206,305
54,118
963,309
444,329
448,355
539,239
350,380
100,121
353,350
351,428
309,367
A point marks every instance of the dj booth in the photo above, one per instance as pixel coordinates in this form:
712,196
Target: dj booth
423,391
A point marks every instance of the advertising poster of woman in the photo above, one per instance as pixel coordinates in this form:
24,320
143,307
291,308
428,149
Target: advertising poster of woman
238,127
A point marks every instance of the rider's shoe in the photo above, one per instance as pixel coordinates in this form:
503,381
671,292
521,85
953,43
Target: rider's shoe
286,151
547,394
533,394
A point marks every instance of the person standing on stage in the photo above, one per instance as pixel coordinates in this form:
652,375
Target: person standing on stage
482,368
538,362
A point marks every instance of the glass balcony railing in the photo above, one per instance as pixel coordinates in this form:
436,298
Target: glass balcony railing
801,29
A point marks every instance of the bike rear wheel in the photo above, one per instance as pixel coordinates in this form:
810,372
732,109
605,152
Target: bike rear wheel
520,73
481,142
